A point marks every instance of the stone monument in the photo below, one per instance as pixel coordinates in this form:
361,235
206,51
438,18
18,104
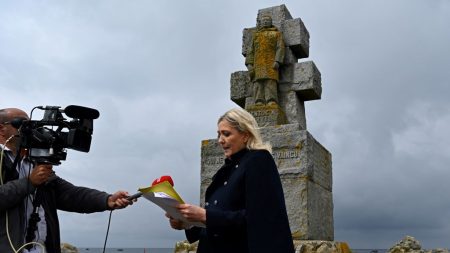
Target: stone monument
304,164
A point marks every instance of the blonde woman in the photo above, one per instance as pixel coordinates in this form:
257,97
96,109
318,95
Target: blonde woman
244,205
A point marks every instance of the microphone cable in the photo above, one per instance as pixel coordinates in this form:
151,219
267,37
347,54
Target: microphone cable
107,231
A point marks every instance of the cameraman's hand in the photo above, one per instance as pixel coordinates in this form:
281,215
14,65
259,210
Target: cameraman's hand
119,200
41,174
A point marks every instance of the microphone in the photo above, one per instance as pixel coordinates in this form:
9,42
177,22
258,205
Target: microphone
81,112
135,196
155,182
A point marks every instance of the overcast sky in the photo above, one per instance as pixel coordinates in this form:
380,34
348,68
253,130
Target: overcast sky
159,71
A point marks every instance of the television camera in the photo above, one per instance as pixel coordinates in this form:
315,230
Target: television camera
47,139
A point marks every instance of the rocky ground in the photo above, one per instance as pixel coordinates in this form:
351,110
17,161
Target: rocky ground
409,244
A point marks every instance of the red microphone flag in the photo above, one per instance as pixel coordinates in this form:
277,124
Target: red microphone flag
163,179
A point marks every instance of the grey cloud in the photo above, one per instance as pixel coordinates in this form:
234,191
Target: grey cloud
159,72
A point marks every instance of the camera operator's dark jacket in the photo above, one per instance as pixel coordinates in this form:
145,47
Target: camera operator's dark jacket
245,208
57,194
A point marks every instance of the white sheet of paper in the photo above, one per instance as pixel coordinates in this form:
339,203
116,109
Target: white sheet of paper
168,203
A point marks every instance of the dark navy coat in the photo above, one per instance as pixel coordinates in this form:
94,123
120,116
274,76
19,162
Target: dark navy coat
245,208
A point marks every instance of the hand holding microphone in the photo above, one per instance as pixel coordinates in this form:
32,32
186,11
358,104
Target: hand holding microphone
119,200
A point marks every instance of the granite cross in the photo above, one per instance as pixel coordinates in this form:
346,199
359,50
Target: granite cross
299,82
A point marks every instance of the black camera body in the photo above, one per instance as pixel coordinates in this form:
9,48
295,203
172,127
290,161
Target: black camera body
47,140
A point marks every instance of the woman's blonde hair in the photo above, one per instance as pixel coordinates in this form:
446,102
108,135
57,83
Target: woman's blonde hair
244,122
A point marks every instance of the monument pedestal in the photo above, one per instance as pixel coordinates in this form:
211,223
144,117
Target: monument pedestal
305,171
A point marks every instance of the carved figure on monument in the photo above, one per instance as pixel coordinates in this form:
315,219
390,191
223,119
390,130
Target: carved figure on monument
263,61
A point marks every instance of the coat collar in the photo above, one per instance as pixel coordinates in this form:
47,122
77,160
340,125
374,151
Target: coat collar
236,157
225,171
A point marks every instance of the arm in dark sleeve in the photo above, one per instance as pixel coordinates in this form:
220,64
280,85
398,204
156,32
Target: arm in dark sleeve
267,219
14,192
216,219
193,234
79,199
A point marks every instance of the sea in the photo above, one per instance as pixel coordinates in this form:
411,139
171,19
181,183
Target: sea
369,250
171,250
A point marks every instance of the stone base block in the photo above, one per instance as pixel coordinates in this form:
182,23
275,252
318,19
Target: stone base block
309,207
297,153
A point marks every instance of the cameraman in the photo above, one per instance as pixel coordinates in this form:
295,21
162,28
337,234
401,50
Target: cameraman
19,181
